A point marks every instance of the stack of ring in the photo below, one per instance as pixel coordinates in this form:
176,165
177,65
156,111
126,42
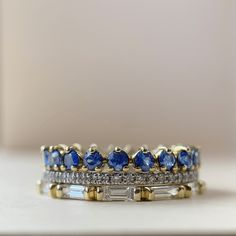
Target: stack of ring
120,174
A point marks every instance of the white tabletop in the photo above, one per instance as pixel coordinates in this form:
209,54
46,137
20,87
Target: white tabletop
23,211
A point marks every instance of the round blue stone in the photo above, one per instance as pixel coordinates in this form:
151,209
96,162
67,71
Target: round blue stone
144,160
92,160
195,157
166,160
71,159
57,158
118,160
184,159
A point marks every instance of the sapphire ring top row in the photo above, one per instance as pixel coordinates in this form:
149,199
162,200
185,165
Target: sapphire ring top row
120,173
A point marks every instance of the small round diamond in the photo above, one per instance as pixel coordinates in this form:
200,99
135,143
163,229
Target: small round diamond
57,158
144,160
166,160
195,157
92,160
118,159
71,159
184,159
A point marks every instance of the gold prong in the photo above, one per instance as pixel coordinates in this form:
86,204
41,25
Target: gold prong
175,169
55,167
184,168
84,168
144,149
62,147
93,148
52,190
62,168
192,167
157,153
163,169
137,194
59,148
126,168
147,194
110,169
181,191
137,169
152,170
43,148
51,148
117,149
105,159
177,148
59,191
89,193
162,147
99,193
73,168
98,169
188,191
201,185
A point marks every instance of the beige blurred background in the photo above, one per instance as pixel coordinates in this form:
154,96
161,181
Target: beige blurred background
118,72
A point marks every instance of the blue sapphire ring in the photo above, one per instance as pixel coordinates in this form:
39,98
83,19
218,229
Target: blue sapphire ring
120,174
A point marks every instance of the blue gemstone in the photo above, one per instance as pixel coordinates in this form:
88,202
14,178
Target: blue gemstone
195,156
71,159
57,158
144,160
118,160
48,160
46,155
166,160
92,160
184,159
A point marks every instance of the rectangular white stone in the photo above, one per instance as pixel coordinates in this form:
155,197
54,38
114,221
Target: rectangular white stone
74,191
165,192
117,193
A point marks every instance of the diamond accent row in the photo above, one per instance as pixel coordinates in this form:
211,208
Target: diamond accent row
93,178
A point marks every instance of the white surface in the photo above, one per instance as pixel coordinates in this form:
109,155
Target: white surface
22,210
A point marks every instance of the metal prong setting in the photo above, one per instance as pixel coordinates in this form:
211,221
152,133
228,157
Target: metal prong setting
174,150
89,193
52,190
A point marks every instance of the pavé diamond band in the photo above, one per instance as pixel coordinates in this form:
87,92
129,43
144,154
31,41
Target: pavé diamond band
121,174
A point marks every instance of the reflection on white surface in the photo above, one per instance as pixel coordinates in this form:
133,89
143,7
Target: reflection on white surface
22,204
